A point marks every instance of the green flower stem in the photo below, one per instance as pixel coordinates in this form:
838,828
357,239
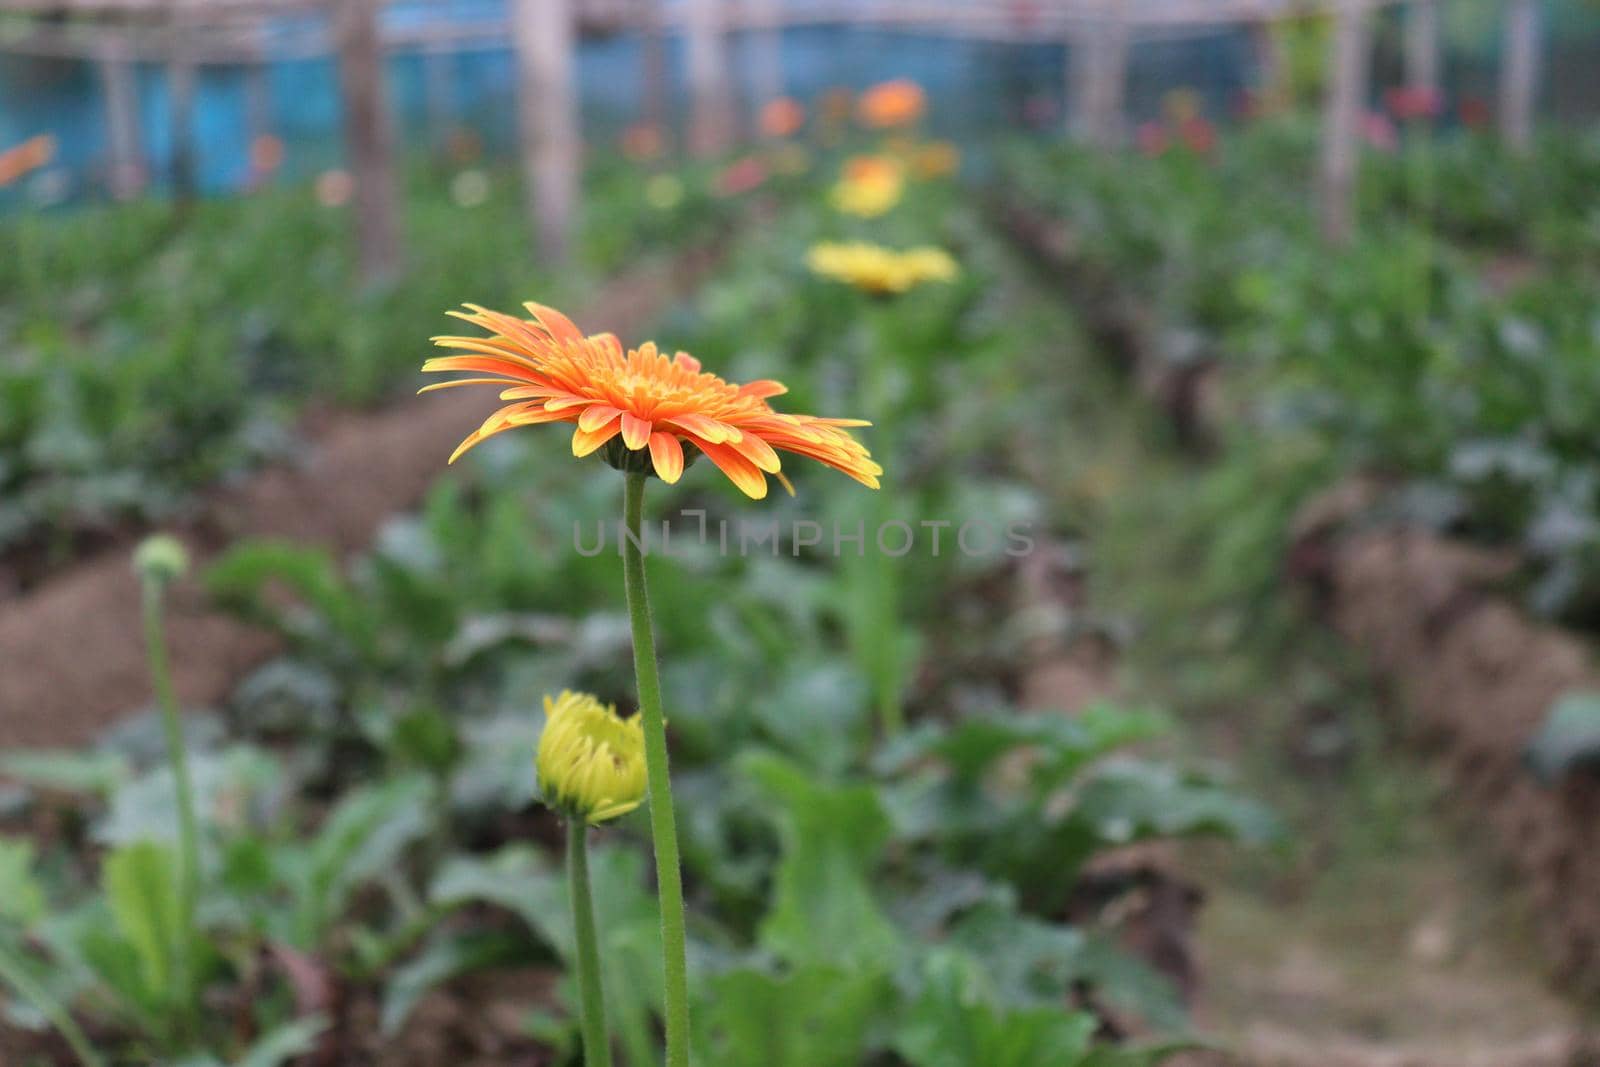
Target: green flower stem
188,832
591,993
663,825
15,974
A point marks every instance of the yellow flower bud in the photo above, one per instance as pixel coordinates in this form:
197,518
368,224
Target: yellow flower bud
591,760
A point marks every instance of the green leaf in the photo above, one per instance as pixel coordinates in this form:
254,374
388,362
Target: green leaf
361,841
141,887
1034,962
815,1016
95,773
22,899
1569,738
823,909
245,575
519,879
444,958
1130,801
283,1043
957,1021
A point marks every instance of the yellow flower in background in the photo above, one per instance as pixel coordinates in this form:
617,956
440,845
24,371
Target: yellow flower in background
935,159
878,270
591,760
869,187
892,103
650,412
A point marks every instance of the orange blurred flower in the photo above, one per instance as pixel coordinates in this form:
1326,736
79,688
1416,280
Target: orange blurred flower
648,411
27,157
643,142
782,117
266,154
893,103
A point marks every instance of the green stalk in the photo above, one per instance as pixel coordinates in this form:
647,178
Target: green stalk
188,831
663,825
591,993
15,973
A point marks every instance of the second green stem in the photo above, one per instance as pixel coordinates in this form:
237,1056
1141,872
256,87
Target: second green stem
188,827
591,992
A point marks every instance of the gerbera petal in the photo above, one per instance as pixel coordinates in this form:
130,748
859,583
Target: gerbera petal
666,454
559,326
635,431
452,383
492,364
763,388
758,452
597,415
561,403
586,441
740,471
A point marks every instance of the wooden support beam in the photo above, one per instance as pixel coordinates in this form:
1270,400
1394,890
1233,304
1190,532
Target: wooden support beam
711,116
765,50
1519,77
654,88
1422,46
369,138
126,167
1098,67
1346,101
547,114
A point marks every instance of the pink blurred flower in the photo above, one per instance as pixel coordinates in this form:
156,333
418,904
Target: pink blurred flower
1152,139
1379,132
1409,102
1199,135
741,176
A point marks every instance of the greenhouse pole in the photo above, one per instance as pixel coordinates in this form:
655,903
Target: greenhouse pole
1422,46
1519,80
542,32
711,118
122,120
766,50
1099,74
369,137
1341,120
653,85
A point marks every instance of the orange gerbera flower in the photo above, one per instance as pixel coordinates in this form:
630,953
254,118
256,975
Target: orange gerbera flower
892,103
782,117
645,408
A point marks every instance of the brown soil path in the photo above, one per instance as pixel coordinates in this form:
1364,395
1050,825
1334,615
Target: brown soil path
71,656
